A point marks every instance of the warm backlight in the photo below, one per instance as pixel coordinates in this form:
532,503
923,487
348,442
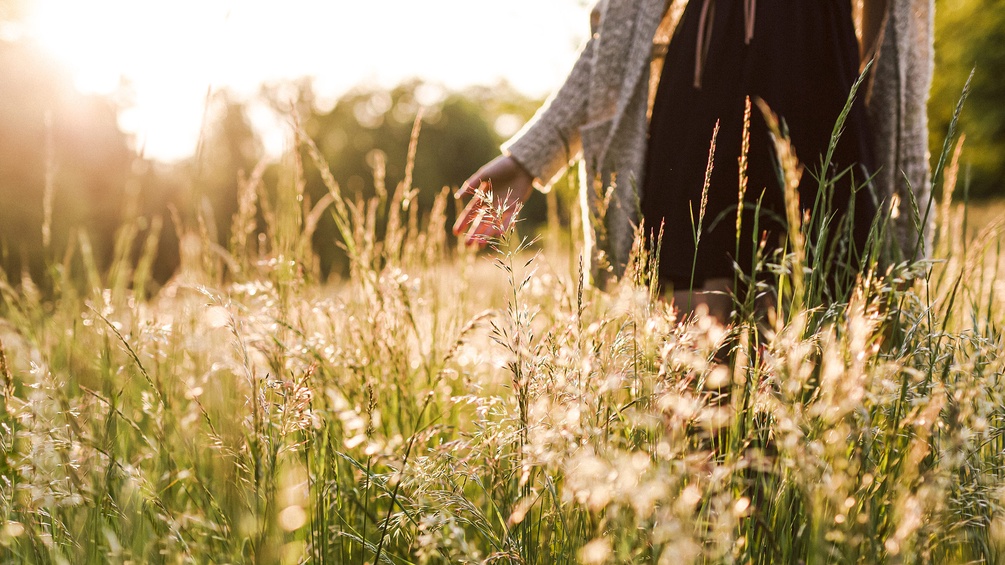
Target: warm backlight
162,57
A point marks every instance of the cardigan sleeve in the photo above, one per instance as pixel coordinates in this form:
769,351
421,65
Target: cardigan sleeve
897,102
550,141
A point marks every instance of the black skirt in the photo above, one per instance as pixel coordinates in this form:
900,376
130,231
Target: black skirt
802,60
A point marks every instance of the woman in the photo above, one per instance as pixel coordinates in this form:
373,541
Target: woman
720,49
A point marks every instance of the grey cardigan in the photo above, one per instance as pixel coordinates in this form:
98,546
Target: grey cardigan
601,115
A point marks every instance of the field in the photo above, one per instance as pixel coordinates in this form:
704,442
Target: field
444,406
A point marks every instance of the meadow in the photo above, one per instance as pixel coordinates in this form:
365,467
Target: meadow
441,405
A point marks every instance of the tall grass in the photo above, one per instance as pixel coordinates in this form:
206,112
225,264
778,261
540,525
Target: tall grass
439,407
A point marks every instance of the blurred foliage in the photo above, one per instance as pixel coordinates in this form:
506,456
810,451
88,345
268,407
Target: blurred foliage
229,148
454,135
51,136
970,34
200,192
365,139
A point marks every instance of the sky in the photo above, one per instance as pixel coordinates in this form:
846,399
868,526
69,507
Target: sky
162,57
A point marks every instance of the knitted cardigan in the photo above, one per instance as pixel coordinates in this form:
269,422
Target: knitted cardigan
600,114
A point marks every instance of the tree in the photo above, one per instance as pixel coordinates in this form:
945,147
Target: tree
230,147
369,125
970,34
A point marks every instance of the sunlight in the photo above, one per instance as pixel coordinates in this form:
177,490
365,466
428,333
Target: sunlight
155,59
58,29
107,42
81,41
160,59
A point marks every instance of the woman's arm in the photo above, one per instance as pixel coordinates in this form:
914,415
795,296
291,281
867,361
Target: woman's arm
541,150
550,140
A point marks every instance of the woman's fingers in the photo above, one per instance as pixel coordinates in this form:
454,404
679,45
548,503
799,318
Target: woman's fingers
469,187
491,224
466,216
491,210
477,234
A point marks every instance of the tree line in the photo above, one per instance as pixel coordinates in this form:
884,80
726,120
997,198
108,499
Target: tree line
69,175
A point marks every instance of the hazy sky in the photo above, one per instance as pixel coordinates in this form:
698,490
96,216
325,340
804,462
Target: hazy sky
171,52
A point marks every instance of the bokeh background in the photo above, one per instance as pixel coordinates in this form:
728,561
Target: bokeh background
112,109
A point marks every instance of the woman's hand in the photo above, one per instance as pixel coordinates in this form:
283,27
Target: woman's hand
504,187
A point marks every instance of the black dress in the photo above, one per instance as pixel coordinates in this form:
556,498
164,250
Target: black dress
802,60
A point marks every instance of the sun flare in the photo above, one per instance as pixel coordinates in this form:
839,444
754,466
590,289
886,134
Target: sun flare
81,38
160,58
156,59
